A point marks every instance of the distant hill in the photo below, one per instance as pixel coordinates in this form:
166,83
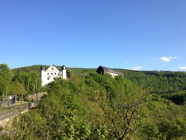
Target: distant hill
91,106
168,84
36,69
32,69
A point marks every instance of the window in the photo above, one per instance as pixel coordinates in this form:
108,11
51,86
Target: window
52,68
51,73
48,78
55,73
47,73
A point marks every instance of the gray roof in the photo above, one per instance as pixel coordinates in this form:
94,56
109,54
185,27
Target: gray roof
111,70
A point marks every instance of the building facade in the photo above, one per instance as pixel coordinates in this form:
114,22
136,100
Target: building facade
103,70
51,74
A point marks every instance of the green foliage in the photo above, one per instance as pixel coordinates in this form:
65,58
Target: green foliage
75,128
150,131
30,81
17,88
31,126
174,129
19,83
178,98
93,106
5,76
165,83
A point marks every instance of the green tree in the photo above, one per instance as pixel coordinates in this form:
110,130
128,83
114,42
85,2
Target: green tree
5,76
30,81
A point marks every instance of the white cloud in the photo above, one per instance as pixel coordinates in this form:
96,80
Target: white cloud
167,59
137,68
182,68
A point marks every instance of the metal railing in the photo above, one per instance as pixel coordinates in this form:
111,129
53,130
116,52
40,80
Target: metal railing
12,111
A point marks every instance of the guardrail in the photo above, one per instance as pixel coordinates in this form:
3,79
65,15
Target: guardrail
12,111
8,113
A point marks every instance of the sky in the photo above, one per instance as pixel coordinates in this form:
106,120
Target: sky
127,34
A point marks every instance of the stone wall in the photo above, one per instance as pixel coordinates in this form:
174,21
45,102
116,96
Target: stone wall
36,96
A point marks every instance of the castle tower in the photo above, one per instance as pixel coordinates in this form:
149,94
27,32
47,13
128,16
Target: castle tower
43,75
64,73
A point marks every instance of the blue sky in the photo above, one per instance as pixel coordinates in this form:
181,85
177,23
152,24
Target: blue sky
135,34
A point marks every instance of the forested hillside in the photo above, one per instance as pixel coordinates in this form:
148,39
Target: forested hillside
20,83
93,106
168,84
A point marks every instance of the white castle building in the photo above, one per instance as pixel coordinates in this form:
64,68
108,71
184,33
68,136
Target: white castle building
51,73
